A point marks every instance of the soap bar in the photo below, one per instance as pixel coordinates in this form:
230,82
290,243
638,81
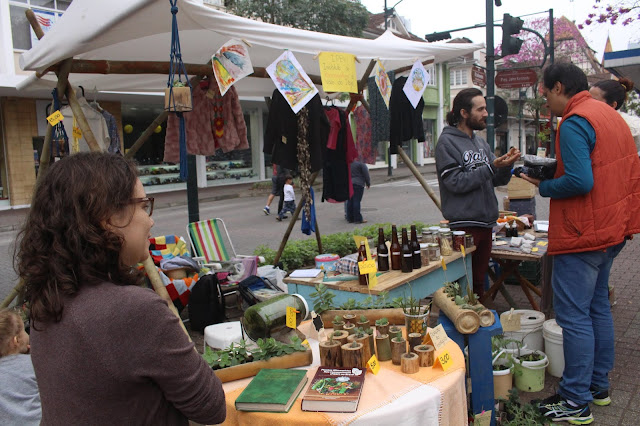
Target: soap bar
515,241
529,236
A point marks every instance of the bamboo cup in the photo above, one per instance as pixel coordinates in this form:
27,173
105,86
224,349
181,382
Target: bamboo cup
395,331
398,348
351,355
415,339
425,355
340,336
330,353
366,349
409,363
384,347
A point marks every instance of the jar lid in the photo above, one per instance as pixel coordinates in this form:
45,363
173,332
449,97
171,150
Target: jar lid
433,245
434,228
426,231
458,232
424,245
327,257
443,230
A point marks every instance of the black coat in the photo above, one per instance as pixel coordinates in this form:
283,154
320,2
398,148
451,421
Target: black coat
405,121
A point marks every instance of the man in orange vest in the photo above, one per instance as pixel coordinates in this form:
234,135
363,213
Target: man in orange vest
595,207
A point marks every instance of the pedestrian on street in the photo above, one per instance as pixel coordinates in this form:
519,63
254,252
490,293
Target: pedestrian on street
595,206
360,179
467,173
289,199
105,350
277,184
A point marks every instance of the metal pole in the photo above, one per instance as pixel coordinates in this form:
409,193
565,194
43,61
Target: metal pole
490,76
192,189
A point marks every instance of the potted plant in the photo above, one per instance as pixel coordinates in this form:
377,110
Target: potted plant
349,318
529,369
338,323
415,314
515,413
502,374
178,97
363,322
382,325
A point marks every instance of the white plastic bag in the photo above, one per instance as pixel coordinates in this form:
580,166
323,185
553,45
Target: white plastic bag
273,274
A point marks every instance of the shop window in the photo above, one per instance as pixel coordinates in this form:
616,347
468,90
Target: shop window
458,77
429,146
433,79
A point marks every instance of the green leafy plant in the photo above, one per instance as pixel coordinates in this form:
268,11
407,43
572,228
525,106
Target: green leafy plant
178,83
269,348
322,299
468,301
519,414
237,353
363,318
338,320
382,321
410,305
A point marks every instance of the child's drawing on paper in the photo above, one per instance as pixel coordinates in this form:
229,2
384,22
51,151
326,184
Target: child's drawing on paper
416,83
291,80
383,83
231,63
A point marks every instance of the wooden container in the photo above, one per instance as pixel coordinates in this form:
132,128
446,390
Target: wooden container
341,336
383,329
398,348
384,347
250,369
415,339
394,315
409,363
181,101
352,355
366,349
425,355
395,331
349,327
349,317
487,319
330,353
466,321
519,188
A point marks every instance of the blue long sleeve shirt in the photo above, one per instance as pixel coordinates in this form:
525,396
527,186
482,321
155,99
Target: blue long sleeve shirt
577,140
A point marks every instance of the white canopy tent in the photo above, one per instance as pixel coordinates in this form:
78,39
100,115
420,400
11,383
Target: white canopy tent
140,30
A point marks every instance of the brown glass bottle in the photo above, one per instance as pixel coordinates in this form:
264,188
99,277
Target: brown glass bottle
396,250
383,252
407,254
362,256
415,248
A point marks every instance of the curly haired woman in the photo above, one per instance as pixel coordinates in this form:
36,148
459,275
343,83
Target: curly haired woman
105,351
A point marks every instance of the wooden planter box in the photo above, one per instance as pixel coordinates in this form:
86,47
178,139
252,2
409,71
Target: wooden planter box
250,369
181,99
394,315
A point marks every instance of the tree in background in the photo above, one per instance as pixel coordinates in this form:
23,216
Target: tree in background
613,12
342,17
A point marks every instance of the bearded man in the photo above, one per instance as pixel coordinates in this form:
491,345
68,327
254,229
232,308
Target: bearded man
468,171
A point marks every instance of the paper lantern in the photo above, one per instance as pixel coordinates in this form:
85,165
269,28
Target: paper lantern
157,129
128,128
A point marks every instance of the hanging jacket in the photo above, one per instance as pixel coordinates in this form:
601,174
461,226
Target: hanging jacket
608,213
336,174
405,121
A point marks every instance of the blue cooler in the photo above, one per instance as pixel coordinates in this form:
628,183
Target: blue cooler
327,261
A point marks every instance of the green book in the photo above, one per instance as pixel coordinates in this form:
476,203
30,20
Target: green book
272,390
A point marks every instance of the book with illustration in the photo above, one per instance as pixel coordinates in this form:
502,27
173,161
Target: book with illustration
335,390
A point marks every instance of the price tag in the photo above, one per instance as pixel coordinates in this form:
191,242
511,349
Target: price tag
77,133
306,342
55,118
291,317
483,419
367,267
464,252
444,265
511,321
373,279
444,360
373,364
535,249
542,243
438,336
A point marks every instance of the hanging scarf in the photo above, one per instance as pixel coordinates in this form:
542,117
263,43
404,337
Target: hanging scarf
304,160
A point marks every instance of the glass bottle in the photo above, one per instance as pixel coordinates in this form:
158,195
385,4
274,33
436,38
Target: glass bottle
407,253
362,256
514,229
383,252
415,248
396,250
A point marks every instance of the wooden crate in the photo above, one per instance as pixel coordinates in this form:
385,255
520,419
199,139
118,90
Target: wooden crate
519,188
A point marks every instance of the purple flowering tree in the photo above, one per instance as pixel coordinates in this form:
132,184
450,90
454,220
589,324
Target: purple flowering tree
613,12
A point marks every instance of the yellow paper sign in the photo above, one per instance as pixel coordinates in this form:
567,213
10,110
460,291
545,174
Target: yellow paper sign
338,72
373,364
291,317
55,118
438,336
77,133
483,419
444,265
373,280
464,252
542,243
444,360
367,266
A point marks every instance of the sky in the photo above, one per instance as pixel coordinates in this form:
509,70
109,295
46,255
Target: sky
428,16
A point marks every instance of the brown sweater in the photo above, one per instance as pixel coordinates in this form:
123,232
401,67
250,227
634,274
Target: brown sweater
119,356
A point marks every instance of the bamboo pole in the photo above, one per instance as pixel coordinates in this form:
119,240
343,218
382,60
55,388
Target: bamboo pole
418,176
12,294
408,67
292,222
161,118
361,84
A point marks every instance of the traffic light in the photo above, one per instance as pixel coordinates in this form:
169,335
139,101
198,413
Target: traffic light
510,25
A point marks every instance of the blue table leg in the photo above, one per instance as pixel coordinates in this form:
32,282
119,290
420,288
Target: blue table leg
480,367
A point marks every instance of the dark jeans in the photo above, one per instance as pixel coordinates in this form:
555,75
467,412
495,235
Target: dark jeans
480,258
289,206
353,205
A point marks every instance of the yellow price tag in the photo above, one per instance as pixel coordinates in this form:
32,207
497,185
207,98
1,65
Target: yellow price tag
444,265
306,342
444,360
464,252
367,267
483,419
535,249
291,317
542,243
55,118
77,133
438,336
373,364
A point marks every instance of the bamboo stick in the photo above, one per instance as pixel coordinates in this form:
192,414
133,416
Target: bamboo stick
330,353
409,363
425,355
384,347
419,177
398,348
394,315
161,118
352,355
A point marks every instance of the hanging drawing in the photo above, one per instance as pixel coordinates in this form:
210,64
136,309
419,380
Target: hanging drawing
291,80
416,83
231,63
383,82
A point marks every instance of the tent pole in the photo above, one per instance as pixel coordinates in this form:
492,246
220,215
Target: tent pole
287,233
418,176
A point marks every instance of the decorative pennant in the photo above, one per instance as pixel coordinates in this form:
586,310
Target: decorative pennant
291,80
338,72
231,63
383,82
416,83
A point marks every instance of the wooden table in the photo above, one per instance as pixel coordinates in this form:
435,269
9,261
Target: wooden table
421,282
509,261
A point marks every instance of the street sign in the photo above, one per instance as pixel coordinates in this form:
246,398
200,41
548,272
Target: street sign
516,79
478,76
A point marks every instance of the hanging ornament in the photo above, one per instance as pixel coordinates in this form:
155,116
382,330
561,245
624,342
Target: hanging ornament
128,128
157,129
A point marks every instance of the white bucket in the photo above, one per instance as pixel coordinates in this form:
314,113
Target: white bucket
530,328
552,334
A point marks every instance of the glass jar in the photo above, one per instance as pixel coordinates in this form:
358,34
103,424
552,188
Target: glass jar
468,241
424,254
427,236
444,223
458,240
269,318
446,241
434,234
434,252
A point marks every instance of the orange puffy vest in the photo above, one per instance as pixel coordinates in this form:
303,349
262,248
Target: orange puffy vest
608,213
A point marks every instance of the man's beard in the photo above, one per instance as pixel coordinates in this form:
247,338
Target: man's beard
476,124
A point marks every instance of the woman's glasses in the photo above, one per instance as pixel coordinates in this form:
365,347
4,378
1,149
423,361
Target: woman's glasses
148,204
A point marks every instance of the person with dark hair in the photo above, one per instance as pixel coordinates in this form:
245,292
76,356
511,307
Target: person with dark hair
19,397
104,349
595,206
614,93
289,199
468,172
360,179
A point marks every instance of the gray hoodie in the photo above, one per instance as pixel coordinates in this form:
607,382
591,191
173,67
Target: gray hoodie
467,177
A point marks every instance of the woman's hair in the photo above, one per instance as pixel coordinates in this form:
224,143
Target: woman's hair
462,101
615,90
64,243
9,328
570,76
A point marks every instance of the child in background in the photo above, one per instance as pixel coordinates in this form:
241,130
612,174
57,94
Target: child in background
289,198
19,396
